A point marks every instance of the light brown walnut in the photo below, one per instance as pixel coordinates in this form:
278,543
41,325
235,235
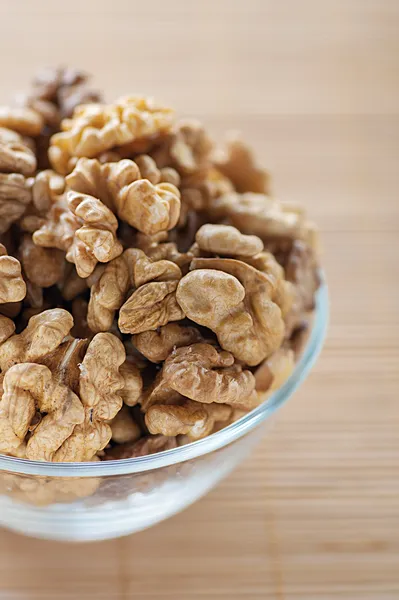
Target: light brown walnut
15,196
237,162
99,390
46,110
64,362
150,306
148,207
187,148
157,345
124,427
191,418
96,128
96,240
283,291
262,215
30,389
144,269
132,390
107,294
7,328
108,291
275,370
235,301
12,285
146,445
169,175
46,187
43,334
199,194
302,270
148,168
22,120
158,248
44,267
43,491
226,240
59,228
15,155
205,374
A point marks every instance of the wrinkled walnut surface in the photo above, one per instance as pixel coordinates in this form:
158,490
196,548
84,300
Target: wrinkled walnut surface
152,291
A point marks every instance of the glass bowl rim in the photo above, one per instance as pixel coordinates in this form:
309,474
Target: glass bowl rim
201,447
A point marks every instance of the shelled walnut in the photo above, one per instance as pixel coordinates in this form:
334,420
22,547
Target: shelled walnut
152,291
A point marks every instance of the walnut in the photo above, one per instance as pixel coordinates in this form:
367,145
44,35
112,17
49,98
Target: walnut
133,387
43,491
108,294
169,175
47,186
96,128
227,241
96,240
275,370
301,269
64,362
157,345
202,373
15,195
121,187
189,286
146,445
284,293
148,168
99,387
43,334
46,110
43,266
63,89
12,285
190,418
149,307
261,215
22,120
60,227
15,155
143,269
157,248
7,328
30,388
236,161
199,194
124,427
132,268
235,301
187,148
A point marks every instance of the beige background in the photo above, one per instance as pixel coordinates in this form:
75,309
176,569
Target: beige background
314,513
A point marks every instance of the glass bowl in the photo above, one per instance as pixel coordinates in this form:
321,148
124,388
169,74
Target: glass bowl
101,500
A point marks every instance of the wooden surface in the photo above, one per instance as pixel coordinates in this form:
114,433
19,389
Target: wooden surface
314,513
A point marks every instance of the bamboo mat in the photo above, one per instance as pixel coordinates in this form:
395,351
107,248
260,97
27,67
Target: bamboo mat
313,514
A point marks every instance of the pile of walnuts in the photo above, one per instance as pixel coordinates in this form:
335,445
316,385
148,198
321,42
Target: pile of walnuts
151,289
